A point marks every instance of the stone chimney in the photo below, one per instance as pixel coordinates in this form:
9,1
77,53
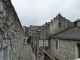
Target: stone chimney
77,23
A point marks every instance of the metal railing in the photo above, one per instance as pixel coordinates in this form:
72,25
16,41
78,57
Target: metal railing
40,54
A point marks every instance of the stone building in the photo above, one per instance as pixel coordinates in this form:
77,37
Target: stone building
11,32
25,28
65,45
30,30
42,35
57,24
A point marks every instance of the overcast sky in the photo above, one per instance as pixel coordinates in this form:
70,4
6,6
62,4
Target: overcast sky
37,12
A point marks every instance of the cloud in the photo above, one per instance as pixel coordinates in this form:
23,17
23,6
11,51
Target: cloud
37,12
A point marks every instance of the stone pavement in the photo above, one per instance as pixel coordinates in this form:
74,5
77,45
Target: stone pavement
27,53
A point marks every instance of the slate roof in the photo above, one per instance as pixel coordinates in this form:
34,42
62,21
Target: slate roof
69,34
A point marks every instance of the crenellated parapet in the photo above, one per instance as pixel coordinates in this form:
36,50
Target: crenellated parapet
56,25
59,23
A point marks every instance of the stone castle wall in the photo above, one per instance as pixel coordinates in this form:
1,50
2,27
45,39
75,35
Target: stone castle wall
66,49
59,23
30,30
11,32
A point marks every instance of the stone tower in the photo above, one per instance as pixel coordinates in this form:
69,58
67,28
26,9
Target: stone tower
59,23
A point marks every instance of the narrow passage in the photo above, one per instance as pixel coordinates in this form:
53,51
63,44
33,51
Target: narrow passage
27,53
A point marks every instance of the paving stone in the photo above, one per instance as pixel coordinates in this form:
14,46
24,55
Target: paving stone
27,53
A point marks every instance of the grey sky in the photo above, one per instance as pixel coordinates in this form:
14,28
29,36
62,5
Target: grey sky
37,12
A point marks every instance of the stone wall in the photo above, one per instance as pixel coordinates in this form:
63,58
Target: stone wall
11,32
66,49
58,24
26,29
30,30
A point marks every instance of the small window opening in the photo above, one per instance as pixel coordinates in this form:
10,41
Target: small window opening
59,24
56,45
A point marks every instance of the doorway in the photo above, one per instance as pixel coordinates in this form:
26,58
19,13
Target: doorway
5,53
78,45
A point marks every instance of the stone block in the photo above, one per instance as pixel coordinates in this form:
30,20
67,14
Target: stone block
1,7
1,23
0,44
0,16
5,43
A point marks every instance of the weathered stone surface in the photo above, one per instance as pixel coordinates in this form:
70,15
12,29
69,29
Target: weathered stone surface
58,24
0,16
30,30
5,43
66,49
11,32
26,53
1,7
1,23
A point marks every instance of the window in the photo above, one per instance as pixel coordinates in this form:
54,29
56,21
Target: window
59,24
45,42
40,42
78,24
57,45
